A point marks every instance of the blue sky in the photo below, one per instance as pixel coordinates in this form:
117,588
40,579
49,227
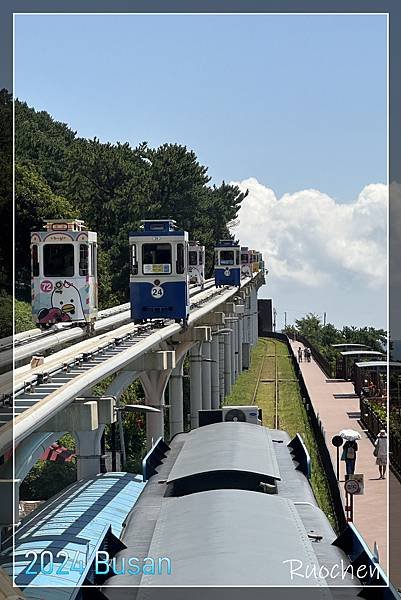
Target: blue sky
296,102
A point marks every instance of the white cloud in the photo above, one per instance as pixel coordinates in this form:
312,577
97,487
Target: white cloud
311,240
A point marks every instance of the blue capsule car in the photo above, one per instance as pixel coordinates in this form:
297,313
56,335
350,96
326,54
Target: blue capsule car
159,283
227,264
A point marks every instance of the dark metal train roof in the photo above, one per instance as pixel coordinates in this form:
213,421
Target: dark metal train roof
216,536
229,446
202,532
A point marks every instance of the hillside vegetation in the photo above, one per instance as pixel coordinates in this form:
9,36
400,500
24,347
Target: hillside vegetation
111,187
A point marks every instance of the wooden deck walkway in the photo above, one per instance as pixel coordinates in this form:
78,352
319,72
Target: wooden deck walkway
338,408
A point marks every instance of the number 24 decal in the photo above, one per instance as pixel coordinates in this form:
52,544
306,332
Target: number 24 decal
157,292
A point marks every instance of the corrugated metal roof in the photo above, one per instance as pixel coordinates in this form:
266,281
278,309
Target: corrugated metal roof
230,446
361,353
377,363
75,522
349,344
242,538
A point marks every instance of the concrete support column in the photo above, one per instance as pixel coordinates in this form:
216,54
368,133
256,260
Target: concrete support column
206,376
215,367
88,452
252,323
240,338
236,348
154,383
246,355
195,364
248,320
176,399
232,324
154,422
227,363
221,368
255,315
251,329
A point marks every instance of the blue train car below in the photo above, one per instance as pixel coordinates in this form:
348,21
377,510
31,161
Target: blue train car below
227,264
156,300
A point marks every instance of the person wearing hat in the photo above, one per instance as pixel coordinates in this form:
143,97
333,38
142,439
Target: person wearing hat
380,452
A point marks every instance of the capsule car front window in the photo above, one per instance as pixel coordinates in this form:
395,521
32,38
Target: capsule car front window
58,260
227,257
192,258
156,258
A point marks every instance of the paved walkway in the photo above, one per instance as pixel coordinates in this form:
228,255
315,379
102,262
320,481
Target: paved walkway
336,413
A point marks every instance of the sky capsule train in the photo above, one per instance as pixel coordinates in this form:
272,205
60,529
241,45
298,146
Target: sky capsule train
159,286
64,274
196,263
246,267
162,260
227,268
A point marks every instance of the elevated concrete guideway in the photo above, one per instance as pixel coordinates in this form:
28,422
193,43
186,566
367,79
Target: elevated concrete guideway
57,396
338,408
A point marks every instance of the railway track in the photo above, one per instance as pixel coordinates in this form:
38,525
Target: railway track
259,380
34,341
41,392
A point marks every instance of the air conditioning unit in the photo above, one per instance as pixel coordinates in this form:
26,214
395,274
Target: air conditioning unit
245,414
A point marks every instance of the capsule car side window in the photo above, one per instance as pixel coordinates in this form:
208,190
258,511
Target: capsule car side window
134,261
83,260
180,264
35,261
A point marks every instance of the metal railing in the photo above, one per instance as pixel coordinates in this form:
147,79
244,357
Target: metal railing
373,423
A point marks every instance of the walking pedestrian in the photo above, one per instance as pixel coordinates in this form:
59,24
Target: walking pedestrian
349,455
380,452
299,354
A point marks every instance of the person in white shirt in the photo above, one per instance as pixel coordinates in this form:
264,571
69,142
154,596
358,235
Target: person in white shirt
381,453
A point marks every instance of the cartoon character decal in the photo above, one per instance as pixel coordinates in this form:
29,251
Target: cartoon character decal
194,274
66,304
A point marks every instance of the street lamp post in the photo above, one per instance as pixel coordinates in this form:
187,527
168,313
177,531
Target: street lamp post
119,410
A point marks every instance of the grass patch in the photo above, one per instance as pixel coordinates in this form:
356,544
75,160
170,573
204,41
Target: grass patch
292,414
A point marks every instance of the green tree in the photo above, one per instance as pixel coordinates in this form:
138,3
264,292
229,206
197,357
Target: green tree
47,478
42,143
34,202
376,339
6,189
111,187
